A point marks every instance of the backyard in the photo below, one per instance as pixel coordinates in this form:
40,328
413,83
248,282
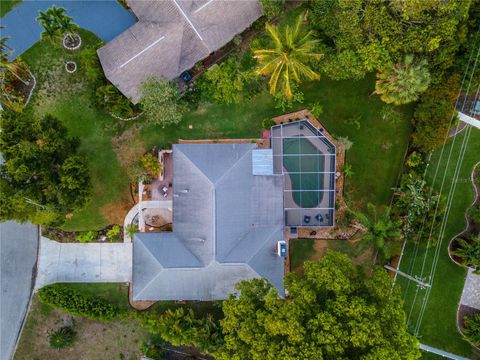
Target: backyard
438,327
376,156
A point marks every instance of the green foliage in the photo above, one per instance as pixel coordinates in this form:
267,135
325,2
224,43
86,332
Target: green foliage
56,23
151,351
225,83
383,231
469,252
419,207
91,64
347,169
76,303
62,338
131,230
284,102
402,83
287,60
433,115
391,114
373,34
43,178
414,160
181,328
87,236
267,123
272,8
474,214
316,110
151,164
471,328
110,100
114,233
332,312
160,100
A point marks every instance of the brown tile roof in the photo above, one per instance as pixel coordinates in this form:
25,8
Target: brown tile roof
170,37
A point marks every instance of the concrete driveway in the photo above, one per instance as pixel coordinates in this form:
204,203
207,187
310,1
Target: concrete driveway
90,262
18,254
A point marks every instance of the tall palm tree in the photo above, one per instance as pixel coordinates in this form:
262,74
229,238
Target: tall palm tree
56,23
288,59
402,83
383,232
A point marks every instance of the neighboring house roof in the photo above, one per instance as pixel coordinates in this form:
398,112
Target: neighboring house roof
226,223
170,37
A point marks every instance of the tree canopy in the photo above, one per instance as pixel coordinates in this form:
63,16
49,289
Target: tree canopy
43,178
160,100
288,60
333,311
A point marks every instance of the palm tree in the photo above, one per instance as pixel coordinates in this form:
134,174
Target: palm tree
402,83
383,232
472,328
16,67
469,252
56,23
288,60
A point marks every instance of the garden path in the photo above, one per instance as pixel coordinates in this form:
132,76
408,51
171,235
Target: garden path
106,19
471,291
77,262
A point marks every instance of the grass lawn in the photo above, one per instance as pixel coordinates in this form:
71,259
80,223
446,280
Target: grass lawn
378,146
438,327
117,339
69,97
7,5
376,155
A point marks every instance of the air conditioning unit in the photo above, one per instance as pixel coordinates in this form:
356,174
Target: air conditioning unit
282,248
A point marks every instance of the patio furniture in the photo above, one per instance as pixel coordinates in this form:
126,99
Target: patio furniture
165,194
306,219
164,189
319,217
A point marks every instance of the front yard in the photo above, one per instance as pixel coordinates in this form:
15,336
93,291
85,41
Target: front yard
349,111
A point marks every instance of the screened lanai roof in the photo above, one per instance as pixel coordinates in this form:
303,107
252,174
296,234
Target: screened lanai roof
307,159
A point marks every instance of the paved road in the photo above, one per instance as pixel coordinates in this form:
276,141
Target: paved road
18,254
74,262
107,19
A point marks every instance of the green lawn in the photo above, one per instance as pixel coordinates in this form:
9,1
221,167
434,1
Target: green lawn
69,97
438,327
376,155
7,5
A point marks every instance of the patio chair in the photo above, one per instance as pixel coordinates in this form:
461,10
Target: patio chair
306,219
319,217
165,194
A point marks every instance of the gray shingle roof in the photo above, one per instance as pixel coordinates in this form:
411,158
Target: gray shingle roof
226,225
170,37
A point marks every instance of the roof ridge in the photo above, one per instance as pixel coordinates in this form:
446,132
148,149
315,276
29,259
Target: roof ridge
231,167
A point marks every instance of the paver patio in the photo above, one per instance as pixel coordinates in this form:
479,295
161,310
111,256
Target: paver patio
471,291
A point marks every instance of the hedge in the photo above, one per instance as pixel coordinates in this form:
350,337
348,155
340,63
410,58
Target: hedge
76,303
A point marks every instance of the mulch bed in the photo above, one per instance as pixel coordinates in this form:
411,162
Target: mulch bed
70,236
463,311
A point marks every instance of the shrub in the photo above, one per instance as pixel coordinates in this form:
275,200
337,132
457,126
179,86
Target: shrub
272,8
317,110
414,160
284,103
267,123
91,64
62,338
474,214
160,100
469,252
472,328
151,164
87,236
114,233
76,303
109,99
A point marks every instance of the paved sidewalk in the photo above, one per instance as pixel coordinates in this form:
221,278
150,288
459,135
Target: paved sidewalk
471,291
18,254
90,262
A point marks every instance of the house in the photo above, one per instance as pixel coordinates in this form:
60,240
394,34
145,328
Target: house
227,221
170,37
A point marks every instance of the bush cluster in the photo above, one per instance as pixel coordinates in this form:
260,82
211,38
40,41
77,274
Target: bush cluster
76,303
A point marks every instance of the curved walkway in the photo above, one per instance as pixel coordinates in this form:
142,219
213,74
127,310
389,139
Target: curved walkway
106,19
152,204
